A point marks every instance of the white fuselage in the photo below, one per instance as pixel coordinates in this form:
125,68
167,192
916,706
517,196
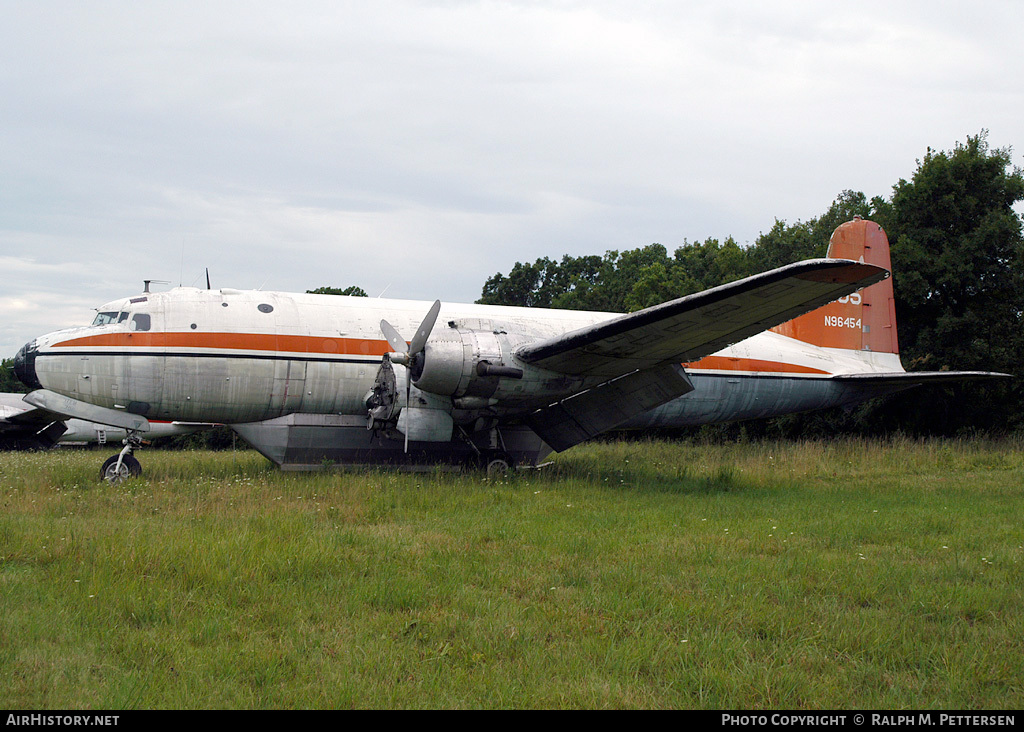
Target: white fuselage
233,356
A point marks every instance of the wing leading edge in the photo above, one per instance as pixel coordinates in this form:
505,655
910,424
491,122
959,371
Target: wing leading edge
697,325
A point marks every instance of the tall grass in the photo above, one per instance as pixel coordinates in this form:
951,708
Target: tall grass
624,575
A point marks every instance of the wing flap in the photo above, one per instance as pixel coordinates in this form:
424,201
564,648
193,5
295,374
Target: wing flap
694,326
591,412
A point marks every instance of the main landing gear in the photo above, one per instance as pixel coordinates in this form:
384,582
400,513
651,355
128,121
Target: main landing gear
494,460
119,468
498,466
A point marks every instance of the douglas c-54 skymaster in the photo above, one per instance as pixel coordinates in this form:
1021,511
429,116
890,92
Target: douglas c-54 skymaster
313,379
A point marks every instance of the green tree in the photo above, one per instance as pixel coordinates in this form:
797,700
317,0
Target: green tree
521,288
710,263
352,291
958,269
8,381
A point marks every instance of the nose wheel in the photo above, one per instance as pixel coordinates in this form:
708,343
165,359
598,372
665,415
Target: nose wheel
119,468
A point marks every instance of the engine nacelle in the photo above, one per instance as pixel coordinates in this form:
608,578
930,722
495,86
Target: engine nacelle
473,366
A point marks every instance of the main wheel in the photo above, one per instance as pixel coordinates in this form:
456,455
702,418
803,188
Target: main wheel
130,468
499,468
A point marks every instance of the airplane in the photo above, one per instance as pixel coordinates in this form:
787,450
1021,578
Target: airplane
313,380
26,427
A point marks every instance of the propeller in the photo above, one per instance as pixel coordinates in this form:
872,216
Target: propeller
409,354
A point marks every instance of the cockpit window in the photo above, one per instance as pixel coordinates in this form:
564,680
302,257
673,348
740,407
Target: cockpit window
140,321
106,318
123,317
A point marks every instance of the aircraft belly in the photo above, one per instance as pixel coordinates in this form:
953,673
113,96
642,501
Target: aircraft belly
318,441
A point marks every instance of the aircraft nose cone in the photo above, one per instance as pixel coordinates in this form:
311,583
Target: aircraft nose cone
25,365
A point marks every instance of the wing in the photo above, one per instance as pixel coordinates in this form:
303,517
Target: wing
697,325
60,404
636,357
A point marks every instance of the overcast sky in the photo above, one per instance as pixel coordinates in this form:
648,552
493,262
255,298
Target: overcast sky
416,148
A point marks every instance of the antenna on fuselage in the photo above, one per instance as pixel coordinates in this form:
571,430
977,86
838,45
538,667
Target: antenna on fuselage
208,279
147,283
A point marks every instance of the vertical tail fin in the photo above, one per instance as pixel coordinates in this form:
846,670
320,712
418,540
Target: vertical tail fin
865,320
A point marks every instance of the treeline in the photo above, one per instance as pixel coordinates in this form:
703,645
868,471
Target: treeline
958,271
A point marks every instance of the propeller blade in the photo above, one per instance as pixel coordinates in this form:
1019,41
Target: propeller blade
408,414
398,344
420,339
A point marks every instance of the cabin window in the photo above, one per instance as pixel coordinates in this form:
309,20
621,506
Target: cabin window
264,308
140,321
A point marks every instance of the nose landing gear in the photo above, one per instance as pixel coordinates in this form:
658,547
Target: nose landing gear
119,468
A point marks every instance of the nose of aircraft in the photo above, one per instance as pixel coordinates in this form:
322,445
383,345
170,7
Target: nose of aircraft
25,365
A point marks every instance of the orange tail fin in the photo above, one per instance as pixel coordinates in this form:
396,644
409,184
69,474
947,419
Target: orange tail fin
865,320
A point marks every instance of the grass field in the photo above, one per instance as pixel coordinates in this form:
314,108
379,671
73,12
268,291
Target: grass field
625,575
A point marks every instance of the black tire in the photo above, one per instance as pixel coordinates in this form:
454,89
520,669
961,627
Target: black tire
130,468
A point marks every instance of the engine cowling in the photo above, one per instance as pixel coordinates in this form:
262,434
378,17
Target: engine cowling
475,366
457,363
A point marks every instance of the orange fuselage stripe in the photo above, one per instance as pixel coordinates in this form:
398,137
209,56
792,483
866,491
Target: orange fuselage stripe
234,342
356,346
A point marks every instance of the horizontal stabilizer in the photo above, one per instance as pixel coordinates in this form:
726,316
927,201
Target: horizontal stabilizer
921,377
694,326
865,385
